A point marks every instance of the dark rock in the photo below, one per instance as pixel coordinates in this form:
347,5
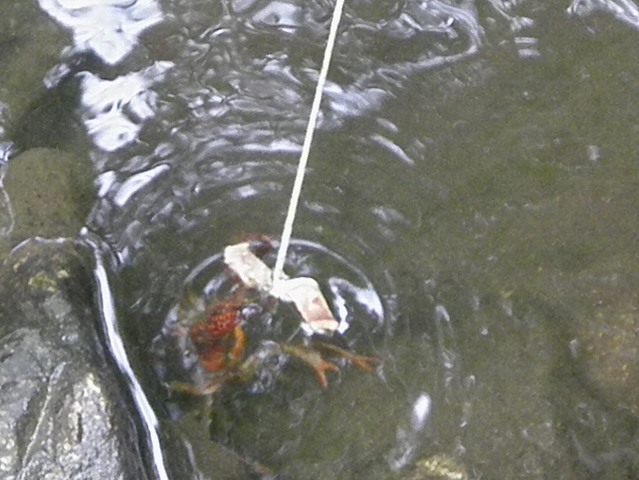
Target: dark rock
61,413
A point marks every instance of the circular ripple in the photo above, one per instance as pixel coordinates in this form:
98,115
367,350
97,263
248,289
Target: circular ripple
353,298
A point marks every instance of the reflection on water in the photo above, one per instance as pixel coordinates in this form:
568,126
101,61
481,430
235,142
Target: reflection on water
106,102
241,87
113,340
408,439
107,28
624,10
470,198
7,218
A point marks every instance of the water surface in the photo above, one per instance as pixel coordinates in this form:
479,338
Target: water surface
470,204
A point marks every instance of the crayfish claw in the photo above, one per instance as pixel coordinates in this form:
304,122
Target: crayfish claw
312,358
365,363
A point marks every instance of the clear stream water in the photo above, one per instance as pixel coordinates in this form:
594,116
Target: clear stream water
471,199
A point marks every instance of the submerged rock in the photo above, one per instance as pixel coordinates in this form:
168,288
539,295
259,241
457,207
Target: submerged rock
439,467
62,415
605,338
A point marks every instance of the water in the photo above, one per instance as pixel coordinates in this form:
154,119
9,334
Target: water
470,205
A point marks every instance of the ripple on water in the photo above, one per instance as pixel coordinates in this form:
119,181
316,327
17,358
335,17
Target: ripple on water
358,307
206,151
108,28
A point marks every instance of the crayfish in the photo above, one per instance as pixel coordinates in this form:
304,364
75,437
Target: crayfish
219,339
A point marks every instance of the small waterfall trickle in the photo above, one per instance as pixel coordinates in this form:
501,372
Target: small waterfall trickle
113,340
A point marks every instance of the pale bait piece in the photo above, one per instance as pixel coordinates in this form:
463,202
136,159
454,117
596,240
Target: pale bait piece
253,272
304,292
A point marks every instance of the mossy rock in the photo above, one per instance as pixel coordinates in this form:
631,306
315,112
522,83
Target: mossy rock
51,193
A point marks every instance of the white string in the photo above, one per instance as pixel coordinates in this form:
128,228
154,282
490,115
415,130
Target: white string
306,148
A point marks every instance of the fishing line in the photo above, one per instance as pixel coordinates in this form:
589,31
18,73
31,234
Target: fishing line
306,148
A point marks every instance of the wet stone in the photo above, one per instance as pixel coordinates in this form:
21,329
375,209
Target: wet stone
61,413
